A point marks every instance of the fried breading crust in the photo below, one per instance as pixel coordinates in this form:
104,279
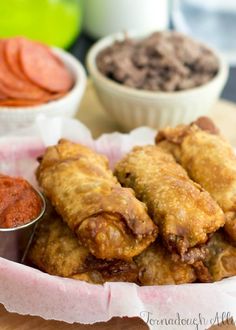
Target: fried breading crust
221,260
156,267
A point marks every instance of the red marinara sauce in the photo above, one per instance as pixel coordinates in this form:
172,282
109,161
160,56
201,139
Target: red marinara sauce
19,202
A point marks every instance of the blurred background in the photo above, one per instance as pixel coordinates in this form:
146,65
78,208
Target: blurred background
76,24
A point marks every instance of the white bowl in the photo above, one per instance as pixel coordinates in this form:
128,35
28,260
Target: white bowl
13,118
132,107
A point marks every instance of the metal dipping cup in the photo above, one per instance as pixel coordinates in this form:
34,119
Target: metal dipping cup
15,242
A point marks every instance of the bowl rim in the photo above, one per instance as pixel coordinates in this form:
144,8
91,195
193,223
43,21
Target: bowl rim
80,77
101,44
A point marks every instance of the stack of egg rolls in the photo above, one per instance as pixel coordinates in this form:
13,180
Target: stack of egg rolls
209,160
185,213
106,218
105,225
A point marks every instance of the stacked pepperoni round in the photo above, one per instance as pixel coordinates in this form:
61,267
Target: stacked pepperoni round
30,73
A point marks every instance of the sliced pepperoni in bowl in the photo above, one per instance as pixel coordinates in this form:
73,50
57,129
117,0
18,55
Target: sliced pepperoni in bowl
42,68
12,51
31,74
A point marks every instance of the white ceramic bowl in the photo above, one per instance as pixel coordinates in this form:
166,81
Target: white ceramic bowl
132,107
13,118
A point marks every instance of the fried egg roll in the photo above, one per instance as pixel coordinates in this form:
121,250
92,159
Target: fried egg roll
156,267
184,212
57,251
106,218
221,260
209,160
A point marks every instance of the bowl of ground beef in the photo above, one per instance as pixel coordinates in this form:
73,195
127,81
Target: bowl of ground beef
162,79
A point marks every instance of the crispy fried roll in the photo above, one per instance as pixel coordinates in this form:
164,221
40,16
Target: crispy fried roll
156,266
209,160
184,212
106,218
56,250
221,260
100,271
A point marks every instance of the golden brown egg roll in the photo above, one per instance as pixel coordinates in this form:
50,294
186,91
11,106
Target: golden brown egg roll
209,160
221,260
100,271
57,251
106,218
203,274
184,212
156,267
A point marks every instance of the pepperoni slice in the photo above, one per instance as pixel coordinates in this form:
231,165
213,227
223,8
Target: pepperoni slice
19,103
2,96
4,101
14,87
56,96
14,102
42,68
12,51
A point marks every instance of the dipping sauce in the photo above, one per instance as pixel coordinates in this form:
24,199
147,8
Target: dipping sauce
19,202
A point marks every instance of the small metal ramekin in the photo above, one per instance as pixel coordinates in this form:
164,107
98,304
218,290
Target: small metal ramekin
14,242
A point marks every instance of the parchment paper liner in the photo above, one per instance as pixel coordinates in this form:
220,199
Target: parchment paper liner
29,291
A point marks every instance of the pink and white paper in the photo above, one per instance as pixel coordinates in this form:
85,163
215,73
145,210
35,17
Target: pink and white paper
29,291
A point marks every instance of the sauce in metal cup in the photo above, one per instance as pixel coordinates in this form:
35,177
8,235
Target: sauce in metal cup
14,242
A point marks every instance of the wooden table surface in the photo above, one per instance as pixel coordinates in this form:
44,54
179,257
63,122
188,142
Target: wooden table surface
92,115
